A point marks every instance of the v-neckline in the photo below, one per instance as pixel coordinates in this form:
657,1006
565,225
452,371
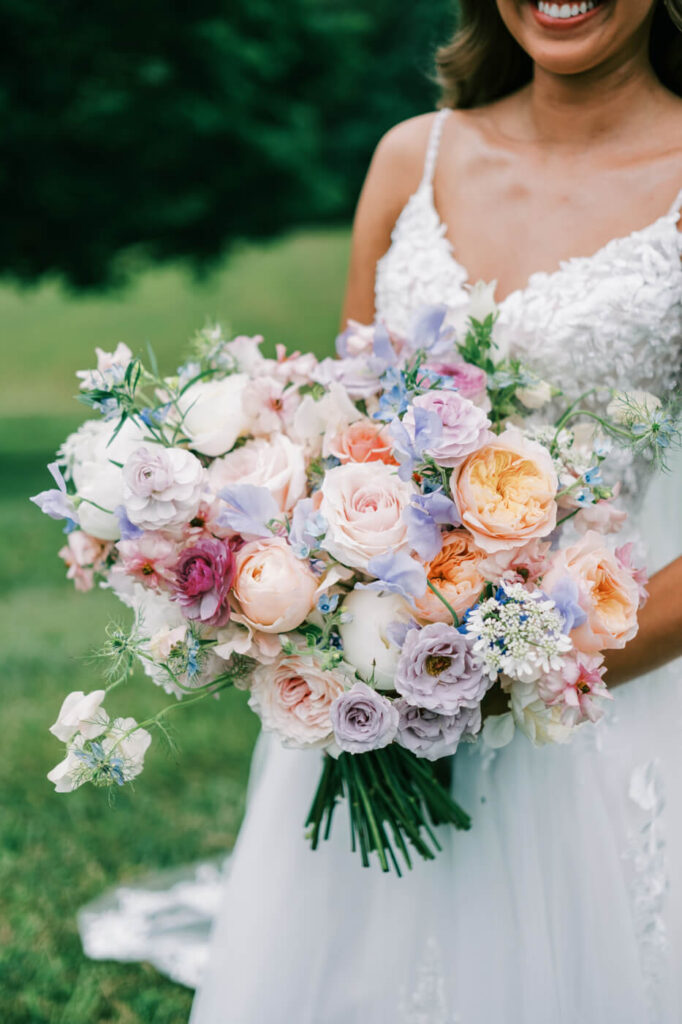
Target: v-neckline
673,215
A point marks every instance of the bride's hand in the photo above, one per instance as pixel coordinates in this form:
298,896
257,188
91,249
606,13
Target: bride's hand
659,638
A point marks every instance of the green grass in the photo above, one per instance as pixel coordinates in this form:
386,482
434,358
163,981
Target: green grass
57,852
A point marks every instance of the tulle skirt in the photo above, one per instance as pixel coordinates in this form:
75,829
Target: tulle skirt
563,904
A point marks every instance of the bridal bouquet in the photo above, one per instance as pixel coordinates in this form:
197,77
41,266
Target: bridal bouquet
384,549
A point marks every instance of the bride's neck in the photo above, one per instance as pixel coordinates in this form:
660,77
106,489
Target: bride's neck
584,108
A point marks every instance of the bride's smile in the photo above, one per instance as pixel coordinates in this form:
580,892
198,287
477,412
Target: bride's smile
567,16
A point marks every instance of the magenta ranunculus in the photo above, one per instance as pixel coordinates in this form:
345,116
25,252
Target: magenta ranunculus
203,577
465,426
439,671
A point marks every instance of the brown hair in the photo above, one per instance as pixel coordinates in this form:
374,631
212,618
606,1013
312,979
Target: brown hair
483,61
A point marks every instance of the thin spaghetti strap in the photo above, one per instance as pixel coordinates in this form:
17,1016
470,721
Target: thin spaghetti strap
433,145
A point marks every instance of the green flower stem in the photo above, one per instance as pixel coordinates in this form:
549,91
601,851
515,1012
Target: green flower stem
149,723
447,604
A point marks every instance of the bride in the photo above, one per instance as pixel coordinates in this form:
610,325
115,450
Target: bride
554,168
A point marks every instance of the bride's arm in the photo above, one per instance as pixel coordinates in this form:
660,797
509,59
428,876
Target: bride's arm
659,639
393,176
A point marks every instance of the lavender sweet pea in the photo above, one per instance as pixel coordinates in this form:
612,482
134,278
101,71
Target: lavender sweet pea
439,671
363,720
430,735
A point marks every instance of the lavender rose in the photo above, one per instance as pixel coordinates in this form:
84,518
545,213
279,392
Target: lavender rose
203,577
465,426
438,670
430,735
363,720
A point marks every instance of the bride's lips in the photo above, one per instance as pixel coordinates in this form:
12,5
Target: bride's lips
563,16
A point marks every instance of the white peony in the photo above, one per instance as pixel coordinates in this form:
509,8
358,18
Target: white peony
81,713
366,643
162,486
215,414
276,463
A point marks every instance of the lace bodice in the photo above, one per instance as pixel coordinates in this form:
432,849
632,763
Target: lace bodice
613,317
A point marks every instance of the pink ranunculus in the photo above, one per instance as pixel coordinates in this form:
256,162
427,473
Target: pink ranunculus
203,577
520,565
293,699
603,517
639,574
362,441
465,426
506,492
84,556
469,380
362,504
274,589
162,486
576,687
276,463
607,593
150,559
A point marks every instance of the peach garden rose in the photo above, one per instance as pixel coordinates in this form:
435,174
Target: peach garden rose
455,572
506,492
608,593
293,698
275,589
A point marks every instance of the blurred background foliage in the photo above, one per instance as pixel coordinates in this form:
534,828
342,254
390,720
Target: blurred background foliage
140,140
176,129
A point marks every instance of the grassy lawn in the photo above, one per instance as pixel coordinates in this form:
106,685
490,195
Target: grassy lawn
57,852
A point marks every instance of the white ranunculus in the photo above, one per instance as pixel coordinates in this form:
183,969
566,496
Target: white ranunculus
162,487
276,463
215,414
366,644
536,395
631,406
81,713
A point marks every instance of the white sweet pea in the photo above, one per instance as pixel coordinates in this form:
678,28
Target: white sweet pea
366,644
68,774
498,730
81,713
313,420
215,414
130,750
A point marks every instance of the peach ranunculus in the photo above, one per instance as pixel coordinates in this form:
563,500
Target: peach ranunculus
455,573
362,441
362,504
293,698
506,492
276,463
275,589
607,593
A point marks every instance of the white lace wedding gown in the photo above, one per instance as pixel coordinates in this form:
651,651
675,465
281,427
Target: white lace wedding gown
564,902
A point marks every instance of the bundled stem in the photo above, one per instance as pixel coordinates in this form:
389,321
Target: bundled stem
393,798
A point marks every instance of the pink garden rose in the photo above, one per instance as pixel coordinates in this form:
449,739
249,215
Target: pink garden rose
519,565
607,593
150,559
603,517
464,425
275,589
84,556
506,492
203,577
276,463
362,441
363,505
293,698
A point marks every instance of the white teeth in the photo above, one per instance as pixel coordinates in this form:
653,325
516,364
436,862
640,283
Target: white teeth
572,10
